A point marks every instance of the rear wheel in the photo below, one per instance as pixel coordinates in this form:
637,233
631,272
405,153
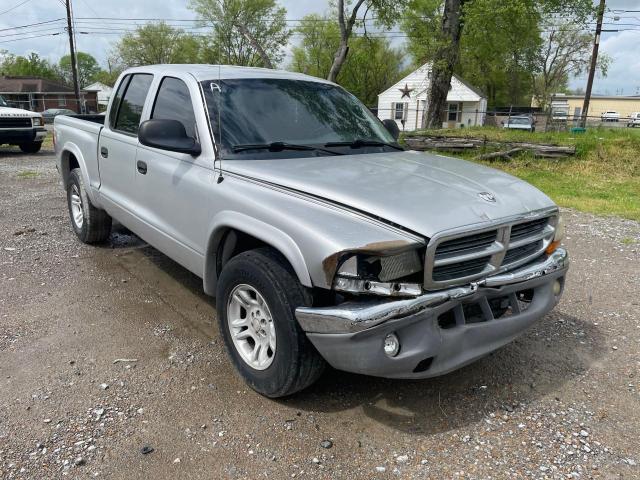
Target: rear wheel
91,224
32,147
257,295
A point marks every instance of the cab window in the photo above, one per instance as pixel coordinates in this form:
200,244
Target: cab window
173,102
130,111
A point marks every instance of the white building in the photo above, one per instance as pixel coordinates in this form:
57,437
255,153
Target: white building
104,92
406,100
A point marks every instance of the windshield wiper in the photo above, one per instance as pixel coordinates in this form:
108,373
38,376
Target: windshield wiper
359,143
280,146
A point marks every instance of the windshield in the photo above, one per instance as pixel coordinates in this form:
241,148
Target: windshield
3,103
519,121
245,112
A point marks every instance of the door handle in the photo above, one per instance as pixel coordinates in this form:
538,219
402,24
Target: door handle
104,152
142,167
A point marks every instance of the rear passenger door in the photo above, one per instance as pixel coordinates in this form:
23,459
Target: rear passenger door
173,190
118,145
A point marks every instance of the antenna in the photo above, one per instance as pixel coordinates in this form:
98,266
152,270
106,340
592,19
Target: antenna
216,86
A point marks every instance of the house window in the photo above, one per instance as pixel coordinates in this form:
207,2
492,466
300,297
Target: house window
399,109
62,100
452,112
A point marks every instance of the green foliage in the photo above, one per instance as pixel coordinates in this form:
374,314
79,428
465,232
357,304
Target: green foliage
88,68
31,66
503,43
157,43
371,66
314,53
603,177
235,23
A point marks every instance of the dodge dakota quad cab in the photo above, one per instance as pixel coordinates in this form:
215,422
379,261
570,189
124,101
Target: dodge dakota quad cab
21,127
322,240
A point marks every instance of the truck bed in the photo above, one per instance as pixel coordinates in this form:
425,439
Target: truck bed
90,117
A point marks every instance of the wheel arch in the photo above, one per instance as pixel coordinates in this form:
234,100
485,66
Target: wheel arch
233,233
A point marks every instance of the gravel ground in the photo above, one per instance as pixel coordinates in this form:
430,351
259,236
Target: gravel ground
111,351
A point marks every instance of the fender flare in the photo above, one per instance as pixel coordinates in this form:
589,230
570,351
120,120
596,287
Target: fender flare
269,234
72,148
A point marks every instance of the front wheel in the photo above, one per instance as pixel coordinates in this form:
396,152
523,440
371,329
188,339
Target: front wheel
91,224
257,295
33,147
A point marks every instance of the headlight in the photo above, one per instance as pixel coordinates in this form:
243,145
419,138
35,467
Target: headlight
560,229
37,121
389,275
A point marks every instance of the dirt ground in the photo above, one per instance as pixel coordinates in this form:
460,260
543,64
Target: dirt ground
561,402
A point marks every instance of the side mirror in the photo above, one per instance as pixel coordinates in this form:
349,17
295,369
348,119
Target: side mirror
169,135
392,126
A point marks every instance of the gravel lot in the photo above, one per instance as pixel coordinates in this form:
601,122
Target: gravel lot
561,402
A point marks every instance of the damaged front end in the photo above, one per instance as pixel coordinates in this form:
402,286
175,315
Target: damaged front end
415,311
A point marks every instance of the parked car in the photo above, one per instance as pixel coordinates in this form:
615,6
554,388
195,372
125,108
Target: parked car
322,239
52,113
21,127
610,116
634,120
521,122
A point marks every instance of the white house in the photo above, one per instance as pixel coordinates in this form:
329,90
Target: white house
406,100
104,92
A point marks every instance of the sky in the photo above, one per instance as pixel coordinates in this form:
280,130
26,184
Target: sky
621,46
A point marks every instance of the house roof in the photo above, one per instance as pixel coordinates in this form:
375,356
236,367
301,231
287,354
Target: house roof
31,84
24,84
426,68
98,87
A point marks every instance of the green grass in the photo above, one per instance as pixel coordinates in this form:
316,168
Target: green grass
27,174
603,177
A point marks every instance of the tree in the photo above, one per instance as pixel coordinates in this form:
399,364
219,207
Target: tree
385,10
30,66
566,51
491,42
444,61
319,39
372,66
245,32
498,48
157,43
88,68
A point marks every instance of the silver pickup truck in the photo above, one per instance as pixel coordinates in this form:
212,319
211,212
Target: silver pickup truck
322,239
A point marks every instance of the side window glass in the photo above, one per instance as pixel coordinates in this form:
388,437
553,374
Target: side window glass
173,102
115,105
130,110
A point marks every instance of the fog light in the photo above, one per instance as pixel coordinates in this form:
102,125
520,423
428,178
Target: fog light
557,288
391,345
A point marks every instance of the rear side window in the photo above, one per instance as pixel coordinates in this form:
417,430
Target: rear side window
113,113
173,102
130,111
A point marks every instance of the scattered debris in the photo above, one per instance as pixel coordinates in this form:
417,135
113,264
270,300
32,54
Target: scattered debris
146,449
125,360
326,444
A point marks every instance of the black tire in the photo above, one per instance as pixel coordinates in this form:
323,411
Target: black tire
296,364
33,147
96,223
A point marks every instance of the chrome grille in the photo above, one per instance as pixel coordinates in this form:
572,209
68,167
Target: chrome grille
458,258
466,244
460,269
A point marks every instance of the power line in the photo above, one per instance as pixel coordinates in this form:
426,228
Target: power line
14,7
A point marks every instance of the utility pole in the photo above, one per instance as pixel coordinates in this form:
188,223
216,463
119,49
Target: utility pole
72,49
594,60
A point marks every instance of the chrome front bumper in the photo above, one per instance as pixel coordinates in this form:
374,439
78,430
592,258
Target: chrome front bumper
356,316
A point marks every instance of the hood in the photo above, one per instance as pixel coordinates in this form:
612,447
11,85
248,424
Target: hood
422,192
17,112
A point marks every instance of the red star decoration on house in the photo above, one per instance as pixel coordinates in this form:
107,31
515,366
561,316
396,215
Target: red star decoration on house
406,91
